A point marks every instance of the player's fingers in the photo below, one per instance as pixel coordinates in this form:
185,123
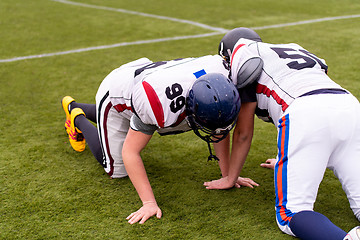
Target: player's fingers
209,185
135,218
143,219
159,214
266,165
246,184
130,216
269,163
237,185
252,182
132,219
147,216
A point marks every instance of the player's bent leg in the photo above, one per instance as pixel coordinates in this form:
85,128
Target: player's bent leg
112,129
68,104
89,109
91,135
348,174
301,161
313,225
302,164
345,160
116,142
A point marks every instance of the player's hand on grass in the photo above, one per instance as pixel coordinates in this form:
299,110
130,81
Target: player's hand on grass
222,183
226,183
148,210
247,182
270,163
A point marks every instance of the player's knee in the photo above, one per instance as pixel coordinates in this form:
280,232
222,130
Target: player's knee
285,228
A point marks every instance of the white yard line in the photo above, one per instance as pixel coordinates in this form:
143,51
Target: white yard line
216,31
107,46
144,15
307,22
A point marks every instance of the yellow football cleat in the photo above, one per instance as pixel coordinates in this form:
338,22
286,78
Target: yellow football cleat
76,137
65,102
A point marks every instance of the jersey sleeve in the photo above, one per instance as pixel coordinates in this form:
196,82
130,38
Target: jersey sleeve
248,93
137,125
242,52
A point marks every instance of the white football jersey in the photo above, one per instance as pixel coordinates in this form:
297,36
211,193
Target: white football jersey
121,81
289,71
159,89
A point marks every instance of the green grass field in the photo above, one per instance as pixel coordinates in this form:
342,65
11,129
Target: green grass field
49,191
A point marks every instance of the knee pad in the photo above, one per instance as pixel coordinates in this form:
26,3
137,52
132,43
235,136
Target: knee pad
285,228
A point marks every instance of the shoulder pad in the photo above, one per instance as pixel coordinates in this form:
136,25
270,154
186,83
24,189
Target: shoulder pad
249,72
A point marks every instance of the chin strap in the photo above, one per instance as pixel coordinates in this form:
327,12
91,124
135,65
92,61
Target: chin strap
211,156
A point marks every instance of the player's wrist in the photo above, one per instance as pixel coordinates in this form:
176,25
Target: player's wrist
149,202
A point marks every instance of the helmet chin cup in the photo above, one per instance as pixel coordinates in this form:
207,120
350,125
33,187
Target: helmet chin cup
208,135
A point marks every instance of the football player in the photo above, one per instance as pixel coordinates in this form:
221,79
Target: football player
318,125
142,97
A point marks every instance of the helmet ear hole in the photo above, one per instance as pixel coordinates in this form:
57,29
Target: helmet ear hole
215,99
208,86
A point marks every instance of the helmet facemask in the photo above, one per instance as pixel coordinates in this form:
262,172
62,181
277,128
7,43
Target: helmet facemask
224,53
208,135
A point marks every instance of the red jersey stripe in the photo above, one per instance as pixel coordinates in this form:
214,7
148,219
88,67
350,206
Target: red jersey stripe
180,119
233,53
266,91
154,103
122,107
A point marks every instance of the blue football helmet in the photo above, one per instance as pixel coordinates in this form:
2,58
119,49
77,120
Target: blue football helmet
212,107
229,40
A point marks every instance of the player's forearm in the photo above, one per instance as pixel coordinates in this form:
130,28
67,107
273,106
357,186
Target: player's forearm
137,174
240,149
242,137
222,150
134,143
